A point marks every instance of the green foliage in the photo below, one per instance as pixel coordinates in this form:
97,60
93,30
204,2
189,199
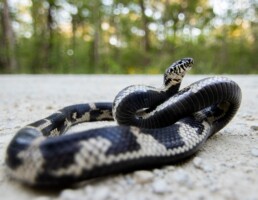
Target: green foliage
111,37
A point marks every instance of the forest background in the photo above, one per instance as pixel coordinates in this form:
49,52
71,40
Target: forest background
136,36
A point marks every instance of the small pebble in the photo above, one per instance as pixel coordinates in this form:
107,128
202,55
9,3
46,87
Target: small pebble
143,176
248,169
113,196
214,188
158,172
197,162
170,168
182,177
68,194
88,189
254,152
128,180
207,168
102,193
248,117
227,194
201,164
160,186
49,107
255,128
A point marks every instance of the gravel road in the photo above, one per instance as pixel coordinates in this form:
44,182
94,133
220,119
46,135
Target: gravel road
225,168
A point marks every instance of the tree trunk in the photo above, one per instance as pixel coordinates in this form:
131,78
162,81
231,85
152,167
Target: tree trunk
73,40
96,38
146,41
8,40
50,37
96,47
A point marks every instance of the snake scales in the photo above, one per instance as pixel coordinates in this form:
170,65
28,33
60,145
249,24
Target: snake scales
156,127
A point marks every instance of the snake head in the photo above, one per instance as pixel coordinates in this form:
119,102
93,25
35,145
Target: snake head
176,71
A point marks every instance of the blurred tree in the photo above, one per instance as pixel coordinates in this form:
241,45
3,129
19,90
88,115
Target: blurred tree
45,30
86,22
127,36
186,15
145,22
8,60
96,19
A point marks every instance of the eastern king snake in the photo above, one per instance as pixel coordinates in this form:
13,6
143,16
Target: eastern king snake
156,127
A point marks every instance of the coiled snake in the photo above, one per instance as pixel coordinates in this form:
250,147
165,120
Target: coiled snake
156,127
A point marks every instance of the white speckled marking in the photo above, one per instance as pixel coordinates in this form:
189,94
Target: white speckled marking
30,169
46,124
92,153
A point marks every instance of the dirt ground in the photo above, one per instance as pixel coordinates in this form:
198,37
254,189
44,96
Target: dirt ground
225,168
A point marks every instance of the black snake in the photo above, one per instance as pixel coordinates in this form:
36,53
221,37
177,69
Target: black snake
156,127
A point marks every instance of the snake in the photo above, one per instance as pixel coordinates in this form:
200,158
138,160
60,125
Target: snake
155,127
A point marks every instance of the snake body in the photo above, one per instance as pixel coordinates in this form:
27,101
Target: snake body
156,127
